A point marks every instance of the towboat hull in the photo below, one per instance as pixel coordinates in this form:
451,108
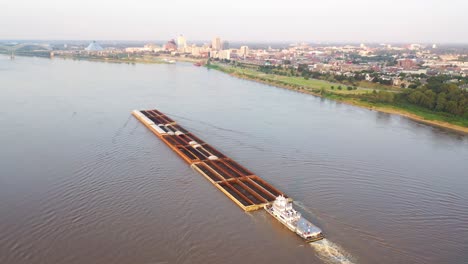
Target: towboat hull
320,236
314,239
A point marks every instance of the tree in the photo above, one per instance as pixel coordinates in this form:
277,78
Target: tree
429,98
463,107
439,96
302,67
385,97
415,97
451,107
339,87
349,88
441,102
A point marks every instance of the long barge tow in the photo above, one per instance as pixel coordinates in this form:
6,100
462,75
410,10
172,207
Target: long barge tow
247,190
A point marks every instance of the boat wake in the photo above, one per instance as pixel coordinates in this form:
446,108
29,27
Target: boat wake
330,252
326,250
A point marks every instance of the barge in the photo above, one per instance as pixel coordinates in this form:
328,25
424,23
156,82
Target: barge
247,190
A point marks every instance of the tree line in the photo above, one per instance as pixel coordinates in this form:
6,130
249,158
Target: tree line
438,95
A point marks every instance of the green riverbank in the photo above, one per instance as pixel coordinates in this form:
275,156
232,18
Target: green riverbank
358,96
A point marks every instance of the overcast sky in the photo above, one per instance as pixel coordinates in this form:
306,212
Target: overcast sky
430,21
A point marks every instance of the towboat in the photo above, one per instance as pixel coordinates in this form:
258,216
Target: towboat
282,210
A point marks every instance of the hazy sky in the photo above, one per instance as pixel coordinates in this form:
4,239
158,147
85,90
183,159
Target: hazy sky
433,21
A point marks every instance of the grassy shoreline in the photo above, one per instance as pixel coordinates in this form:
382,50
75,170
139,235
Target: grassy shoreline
322,89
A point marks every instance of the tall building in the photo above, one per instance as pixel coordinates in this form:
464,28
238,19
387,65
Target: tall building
224,54
170,45
225,45
216,43
406,63
244,51
181,42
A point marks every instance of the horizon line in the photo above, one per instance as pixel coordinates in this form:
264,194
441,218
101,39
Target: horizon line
246,41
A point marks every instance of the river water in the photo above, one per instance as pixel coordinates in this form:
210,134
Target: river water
82,181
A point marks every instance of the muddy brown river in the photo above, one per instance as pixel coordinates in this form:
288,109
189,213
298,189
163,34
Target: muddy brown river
82,181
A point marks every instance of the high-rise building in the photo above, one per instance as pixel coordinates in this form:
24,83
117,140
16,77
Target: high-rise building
216,43
170,45
244,51
224,54
407,63
181,42
225,45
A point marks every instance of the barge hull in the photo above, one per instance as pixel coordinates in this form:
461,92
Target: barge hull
247,190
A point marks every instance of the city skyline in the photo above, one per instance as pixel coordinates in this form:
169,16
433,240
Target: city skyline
332,21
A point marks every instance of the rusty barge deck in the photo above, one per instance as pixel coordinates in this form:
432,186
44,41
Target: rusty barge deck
246,189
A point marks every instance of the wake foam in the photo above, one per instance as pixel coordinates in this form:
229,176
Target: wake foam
326,250
330,252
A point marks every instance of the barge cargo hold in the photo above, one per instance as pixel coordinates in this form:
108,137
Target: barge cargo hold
246,189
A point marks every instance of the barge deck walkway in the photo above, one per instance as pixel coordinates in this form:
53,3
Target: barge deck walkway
246,189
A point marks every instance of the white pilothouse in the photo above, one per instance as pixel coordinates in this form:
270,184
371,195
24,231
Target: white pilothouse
282,210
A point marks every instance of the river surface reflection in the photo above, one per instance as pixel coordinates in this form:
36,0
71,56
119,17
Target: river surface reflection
82,181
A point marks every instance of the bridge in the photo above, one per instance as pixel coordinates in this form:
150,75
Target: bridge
32,48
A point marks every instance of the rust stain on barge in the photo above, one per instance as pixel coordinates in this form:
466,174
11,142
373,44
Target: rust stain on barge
247,190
